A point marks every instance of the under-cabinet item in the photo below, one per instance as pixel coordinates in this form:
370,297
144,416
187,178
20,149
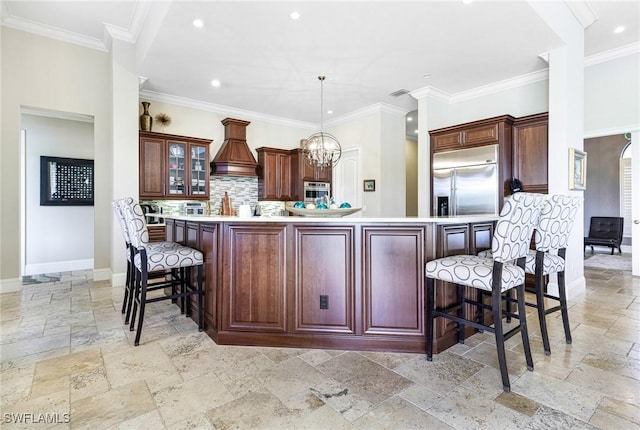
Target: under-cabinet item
226,205
195,208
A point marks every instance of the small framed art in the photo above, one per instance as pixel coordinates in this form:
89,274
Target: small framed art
369,184
577,169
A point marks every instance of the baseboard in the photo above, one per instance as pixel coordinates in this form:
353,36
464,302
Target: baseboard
101,274
577,287
58,266
10,285
118,279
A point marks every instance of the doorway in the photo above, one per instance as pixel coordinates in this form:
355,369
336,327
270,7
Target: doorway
54,239
604,193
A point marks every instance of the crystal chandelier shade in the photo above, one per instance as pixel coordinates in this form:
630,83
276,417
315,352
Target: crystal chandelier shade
321,150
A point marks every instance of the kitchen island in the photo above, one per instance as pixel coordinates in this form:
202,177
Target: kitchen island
343,283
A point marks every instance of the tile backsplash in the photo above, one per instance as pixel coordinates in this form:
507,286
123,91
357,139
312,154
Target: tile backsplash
243,190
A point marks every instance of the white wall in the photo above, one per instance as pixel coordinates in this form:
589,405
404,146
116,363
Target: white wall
44,73
612,96
58,238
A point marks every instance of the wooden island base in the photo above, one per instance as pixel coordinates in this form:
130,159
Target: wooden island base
346,283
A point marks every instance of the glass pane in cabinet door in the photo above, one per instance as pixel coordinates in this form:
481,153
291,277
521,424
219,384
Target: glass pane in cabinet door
176,168
198,170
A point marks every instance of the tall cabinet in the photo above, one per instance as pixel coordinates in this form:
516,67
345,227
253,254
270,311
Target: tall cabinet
530,152
173,167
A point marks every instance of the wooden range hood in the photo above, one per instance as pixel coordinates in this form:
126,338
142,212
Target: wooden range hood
234,157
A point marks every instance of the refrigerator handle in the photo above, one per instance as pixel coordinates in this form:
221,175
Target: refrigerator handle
453,204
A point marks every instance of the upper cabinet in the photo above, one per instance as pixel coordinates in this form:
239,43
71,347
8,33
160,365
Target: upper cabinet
276,179
307,173
173,166
478,133
530,152
283,173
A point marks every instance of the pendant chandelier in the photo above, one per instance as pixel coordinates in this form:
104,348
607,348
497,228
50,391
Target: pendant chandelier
321,150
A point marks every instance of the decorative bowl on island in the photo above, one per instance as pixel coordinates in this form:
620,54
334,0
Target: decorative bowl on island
326,213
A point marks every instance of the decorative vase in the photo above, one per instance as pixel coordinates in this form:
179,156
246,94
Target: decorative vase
146,120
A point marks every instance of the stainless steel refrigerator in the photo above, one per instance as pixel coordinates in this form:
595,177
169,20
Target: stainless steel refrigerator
465,181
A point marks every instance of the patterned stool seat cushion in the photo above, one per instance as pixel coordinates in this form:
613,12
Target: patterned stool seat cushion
552,262
172,258
473,271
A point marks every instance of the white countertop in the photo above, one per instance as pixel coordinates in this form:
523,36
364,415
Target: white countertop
463,219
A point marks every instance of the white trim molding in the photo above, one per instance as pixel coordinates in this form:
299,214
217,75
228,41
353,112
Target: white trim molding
10,285
58,266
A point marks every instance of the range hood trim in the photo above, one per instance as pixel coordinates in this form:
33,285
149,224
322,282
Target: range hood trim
234,158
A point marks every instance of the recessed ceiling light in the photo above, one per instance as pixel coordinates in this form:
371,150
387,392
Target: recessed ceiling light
415,131
294,15
198,23
467,1
619,29
215,83
330,112
409,118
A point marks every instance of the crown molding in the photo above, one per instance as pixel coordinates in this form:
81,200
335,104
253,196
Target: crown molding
583,12
225,110
484,90
612,54
432,92
368,110
53,33
110,31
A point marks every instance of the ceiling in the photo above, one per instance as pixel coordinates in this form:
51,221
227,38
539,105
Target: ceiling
268,64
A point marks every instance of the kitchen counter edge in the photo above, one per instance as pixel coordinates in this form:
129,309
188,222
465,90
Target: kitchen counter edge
342,220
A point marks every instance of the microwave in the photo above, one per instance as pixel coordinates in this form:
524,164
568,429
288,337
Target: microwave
193,208
316,190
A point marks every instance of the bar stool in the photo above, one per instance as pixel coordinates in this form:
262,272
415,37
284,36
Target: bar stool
148,258
512,235
551,238
118,209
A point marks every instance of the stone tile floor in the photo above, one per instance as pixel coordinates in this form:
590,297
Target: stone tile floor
68,362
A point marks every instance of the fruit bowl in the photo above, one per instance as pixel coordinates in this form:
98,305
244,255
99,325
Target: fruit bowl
326,213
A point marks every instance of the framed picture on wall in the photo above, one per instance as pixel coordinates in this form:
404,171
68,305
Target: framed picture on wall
369,184
577,169
66,181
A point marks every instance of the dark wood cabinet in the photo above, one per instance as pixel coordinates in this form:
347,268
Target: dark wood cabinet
173,167
209,247
276,175
254,278
393,280
356,286
324,279
283,173
530,152
308,173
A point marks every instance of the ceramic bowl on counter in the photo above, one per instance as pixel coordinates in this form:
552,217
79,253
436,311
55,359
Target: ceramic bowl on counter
325,213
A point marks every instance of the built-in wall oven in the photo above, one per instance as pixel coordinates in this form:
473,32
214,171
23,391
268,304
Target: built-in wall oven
316,190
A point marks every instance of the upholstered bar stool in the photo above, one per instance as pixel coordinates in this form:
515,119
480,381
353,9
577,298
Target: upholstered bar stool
505,271
148,259
118,209
551,238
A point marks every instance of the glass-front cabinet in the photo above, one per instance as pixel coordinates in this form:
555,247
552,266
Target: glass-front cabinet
199,170
173,166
